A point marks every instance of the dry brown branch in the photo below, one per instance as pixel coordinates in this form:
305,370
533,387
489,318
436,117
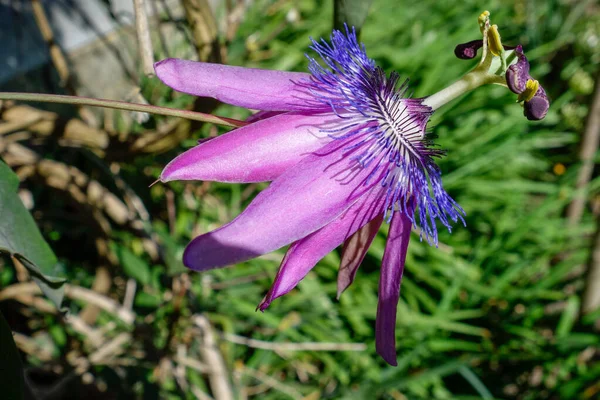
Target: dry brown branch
200,395
272,382
69,132
76,293
110,349
143,36
591,139
83,189
591,295
204,29
22,273
56,55
105,354
75,132
218,374
129,294
589,146
192,364
32,347
92,336
57,175
282,347
101,285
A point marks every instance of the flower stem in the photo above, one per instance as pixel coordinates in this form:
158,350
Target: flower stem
474,79
122,105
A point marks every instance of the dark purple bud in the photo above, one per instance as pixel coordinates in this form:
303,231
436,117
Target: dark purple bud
536,108
517,74
468,51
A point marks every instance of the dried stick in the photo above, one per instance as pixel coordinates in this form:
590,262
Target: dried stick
273,383
591,294
204,29
101,285
589,146
217,376
306,346
73,132
75,293
56,54
32,347
143,36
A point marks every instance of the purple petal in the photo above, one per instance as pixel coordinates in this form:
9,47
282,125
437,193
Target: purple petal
304,254
354,251
392,268
517,74
254,153
259,116
244,87
303,199
536,108
467,51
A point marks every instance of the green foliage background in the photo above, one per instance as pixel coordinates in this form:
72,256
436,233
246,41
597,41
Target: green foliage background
492,313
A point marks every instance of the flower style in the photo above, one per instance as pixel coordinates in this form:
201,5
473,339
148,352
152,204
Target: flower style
345,148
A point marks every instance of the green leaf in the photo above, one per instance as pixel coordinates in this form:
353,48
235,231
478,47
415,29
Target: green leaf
171,256
11,368
22,240
133,265
351,12
568,317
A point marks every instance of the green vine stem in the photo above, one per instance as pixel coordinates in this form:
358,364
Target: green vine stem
122,105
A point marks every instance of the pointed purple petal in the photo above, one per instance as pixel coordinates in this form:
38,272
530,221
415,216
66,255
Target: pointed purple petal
254,153
259,116
304,254
467,51
244,87
354,251
518,73
537,108
392,268
303,199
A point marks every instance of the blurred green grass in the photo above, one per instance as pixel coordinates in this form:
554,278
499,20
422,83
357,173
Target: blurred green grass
480,317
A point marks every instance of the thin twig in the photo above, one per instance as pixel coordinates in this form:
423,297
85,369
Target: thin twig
76,293
306,346
56,55
200,395
122,105
143,36
591,295
273,383
217,376
589,146
32,347
192,364
129,294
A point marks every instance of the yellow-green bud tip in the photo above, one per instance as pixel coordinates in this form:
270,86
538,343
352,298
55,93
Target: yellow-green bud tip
483,18
494,41
531,88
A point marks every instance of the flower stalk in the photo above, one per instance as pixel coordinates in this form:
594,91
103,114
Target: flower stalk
471,81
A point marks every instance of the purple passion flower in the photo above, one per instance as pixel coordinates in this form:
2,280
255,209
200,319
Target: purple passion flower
345,148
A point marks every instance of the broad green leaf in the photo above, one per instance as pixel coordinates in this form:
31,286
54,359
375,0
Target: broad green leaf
22,240
11,368
351,12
